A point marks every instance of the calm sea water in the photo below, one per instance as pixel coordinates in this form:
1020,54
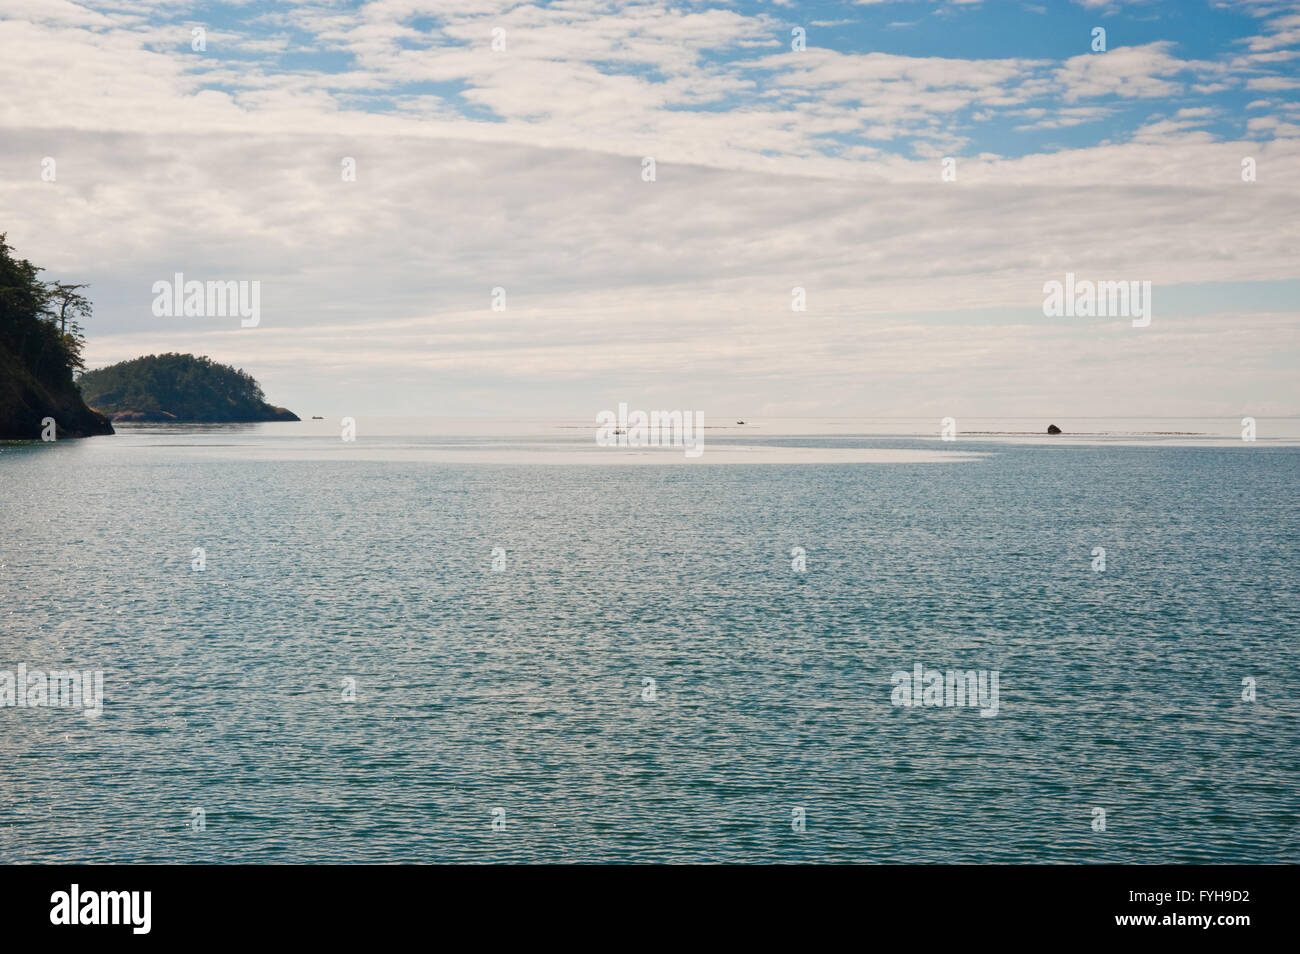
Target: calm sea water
522,689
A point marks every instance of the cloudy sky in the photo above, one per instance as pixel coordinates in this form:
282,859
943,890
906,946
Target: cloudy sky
775,167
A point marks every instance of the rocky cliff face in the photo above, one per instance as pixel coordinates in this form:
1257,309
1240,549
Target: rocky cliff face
40,348
26,401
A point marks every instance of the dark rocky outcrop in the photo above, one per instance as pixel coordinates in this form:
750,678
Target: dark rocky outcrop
40,348
28,398
1053,429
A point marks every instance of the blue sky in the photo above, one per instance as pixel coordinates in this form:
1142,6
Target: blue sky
1208,36
521,168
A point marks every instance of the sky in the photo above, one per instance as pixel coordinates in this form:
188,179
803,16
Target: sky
781,160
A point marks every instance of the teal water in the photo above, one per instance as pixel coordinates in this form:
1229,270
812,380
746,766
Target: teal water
521,689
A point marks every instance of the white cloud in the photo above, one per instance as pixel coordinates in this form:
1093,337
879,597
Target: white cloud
818,169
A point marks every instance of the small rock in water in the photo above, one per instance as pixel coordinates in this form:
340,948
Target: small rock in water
1053,429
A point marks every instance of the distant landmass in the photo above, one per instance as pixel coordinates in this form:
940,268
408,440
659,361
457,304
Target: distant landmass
40,350
181,388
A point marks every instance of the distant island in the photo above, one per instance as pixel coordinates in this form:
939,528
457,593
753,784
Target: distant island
40,350
180,388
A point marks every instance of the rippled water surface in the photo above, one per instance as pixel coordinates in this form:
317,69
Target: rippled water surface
522,689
